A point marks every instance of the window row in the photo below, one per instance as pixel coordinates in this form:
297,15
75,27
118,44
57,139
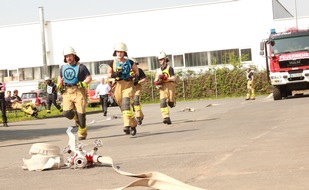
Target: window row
196,59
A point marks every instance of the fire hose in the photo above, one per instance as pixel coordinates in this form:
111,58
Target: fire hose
80,159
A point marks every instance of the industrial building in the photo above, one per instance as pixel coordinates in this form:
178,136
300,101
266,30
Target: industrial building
196,36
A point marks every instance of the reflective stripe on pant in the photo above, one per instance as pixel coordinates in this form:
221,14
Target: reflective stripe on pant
74,98
250,90
136,103
167,94
123,92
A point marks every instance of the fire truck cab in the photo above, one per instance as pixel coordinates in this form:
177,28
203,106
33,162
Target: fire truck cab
287,61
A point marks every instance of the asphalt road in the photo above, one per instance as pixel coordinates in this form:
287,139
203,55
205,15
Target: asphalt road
224,144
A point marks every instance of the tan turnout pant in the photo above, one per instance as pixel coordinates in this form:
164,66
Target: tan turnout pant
123,93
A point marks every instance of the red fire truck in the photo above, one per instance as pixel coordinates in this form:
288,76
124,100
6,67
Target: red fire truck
287,61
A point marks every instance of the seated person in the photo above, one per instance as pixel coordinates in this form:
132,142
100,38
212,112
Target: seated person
8,97
28,108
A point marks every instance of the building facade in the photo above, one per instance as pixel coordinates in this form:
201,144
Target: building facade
199,36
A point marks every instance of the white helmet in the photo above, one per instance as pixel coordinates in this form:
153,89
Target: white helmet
47,78
162,55
68,50
120,47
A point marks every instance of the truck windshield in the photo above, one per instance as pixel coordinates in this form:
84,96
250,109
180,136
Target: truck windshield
293,44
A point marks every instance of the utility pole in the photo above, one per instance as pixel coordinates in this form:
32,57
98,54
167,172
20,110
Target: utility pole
296,15
42,23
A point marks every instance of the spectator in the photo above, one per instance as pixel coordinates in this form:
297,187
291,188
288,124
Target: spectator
103,89
51,89
8,98
3,105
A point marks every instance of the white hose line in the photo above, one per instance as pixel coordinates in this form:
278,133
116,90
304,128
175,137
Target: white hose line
154,180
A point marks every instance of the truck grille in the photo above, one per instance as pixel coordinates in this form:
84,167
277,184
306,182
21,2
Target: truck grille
294,63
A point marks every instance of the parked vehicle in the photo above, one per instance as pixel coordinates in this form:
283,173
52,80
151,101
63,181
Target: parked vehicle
287,61
93,100
38,98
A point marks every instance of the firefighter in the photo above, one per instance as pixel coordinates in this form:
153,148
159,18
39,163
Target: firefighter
51,89
250,84
137,96
72,81
165,81
28,108
123,88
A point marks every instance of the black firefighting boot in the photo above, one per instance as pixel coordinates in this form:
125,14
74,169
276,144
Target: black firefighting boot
139,120
35,113
5,124
133,131
126,130
167,121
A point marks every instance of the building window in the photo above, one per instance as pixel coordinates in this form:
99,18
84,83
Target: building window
223,56
103,67
143,63
178,61
246,54
3,76
196,59
13,75
154,62
37,73
53,71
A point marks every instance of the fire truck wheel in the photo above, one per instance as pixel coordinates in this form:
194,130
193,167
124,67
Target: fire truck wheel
276,93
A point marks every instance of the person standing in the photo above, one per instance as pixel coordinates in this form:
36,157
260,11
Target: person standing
123,89
103,90
138,93
165,81
250,84
51,89
73,80
3,104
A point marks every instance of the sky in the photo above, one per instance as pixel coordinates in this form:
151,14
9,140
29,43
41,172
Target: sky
26,11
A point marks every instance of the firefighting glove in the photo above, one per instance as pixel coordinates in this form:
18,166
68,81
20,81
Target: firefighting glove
136,80
59,87
163,77
159,82
116,74
82,85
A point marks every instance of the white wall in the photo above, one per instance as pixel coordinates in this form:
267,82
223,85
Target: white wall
177,30
20,46
204,27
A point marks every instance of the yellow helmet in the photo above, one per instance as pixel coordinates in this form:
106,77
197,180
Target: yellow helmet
120,47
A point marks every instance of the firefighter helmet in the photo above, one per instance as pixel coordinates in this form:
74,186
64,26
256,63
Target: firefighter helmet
68,50
120,47
162,55
47,78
